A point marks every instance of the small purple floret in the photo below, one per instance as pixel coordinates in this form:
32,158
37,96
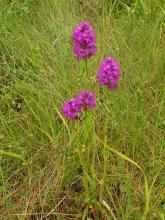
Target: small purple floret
109,73
84,40
74,106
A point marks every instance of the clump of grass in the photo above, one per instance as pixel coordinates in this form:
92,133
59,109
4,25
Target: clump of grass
112,164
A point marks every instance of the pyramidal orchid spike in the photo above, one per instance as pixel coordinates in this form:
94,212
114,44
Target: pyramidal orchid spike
109,73
84,40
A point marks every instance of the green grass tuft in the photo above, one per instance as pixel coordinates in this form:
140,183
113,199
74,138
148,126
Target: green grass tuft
110,165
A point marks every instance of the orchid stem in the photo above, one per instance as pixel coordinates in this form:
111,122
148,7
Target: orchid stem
86,70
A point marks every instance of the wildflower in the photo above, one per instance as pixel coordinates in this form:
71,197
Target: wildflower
74,106
109,73
71,108
87,99
84,40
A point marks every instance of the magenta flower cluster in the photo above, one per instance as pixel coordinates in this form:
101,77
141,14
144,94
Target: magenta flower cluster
84,40
84,46
109,73
74,106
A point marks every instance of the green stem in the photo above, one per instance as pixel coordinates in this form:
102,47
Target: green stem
102,182
86,70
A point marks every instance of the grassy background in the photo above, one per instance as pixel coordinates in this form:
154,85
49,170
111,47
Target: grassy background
108,166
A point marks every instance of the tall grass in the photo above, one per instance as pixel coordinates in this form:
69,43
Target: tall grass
110,165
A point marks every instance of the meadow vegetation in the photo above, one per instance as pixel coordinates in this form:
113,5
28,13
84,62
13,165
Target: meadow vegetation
110,165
